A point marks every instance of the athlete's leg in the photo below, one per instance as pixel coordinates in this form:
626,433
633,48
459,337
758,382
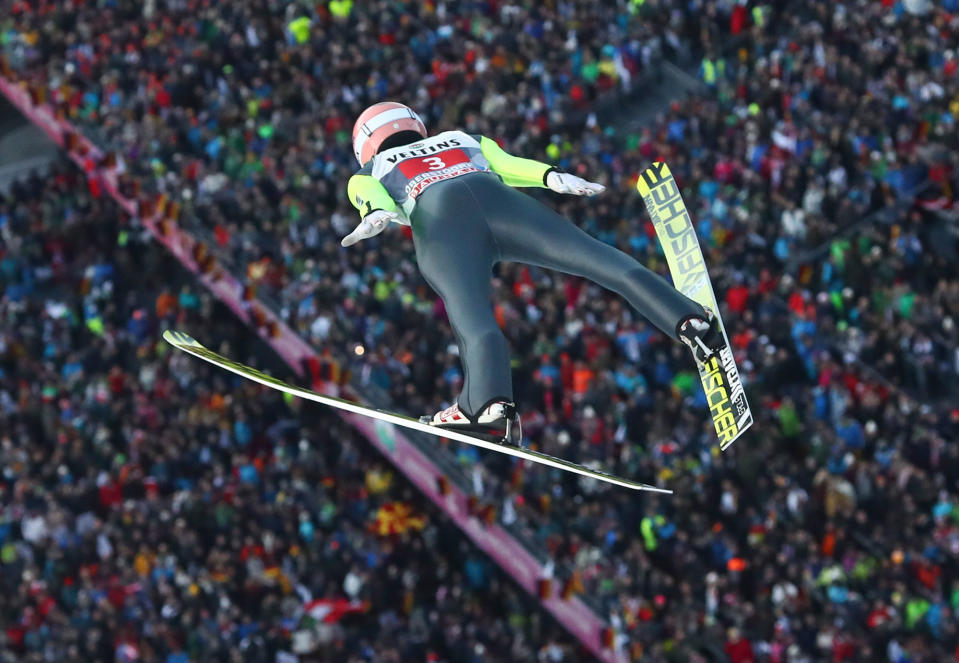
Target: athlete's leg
527,231
456,252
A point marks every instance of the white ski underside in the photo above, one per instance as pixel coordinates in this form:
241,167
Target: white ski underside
188,344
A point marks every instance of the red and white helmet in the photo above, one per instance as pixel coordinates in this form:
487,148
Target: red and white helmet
379,122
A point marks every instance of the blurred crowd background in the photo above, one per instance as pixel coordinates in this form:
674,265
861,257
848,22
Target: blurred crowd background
817,156
157,509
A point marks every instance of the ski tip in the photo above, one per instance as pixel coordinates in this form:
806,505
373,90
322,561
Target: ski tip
652,177
177,338
654,489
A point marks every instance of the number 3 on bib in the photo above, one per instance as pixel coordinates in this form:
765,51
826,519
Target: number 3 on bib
426,171
422,165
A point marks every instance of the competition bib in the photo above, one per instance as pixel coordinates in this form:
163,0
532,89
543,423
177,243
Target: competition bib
409,170
421,172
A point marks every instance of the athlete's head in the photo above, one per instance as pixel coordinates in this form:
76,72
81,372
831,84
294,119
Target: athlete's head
385,125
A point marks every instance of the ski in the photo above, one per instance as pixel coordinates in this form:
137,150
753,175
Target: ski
719,375
188,344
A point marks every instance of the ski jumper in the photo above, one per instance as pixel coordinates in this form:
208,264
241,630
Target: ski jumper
456,191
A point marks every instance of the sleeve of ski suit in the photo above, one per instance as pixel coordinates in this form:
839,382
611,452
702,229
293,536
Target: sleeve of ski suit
515,171
367,194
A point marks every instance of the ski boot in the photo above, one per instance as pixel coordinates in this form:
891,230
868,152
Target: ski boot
497,421
702,335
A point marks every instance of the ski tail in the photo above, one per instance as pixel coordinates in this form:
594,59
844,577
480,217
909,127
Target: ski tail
719,375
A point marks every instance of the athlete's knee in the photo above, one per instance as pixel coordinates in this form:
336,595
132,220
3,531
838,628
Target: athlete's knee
482,333
635,278
488,334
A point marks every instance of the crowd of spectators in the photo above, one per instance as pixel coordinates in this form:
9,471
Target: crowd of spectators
155,509
832,534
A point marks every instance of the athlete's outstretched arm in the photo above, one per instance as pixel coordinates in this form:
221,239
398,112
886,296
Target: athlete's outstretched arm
517,171
374,204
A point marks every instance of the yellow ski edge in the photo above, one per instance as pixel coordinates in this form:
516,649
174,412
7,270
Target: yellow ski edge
692,278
